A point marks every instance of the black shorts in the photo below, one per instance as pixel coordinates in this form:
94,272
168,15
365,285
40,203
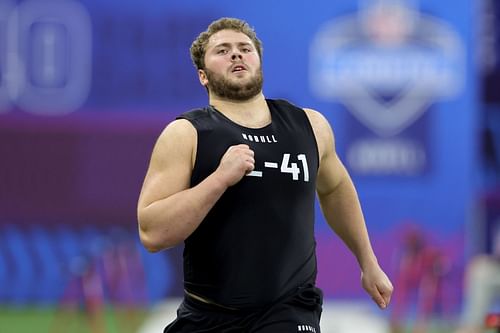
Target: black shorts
298,312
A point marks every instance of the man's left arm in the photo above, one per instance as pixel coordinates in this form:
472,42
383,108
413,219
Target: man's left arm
342,210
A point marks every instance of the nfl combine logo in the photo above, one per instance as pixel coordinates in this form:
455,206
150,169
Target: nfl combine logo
387,63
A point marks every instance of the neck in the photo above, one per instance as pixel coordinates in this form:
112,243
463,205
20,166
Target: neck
253,112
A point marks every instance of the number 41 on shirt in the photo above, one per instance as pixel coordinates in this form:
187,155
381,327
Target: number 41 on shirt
287,167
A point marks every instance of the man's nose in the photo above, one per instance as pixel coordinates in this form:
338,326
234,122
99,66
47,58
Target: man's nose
236,55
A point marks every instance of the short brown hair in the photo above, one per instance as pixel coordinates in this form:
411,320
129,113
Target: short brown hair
199,46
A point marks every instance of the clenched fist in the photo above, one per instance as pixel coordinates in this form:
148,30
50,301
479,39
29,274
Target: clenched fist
236,162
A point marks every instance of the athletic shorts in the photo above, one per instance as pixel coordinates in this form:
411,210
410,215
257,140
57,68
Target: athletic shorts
298,312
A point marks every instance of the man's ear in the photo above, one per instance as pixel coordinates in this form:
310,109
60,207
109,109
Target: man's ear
202,76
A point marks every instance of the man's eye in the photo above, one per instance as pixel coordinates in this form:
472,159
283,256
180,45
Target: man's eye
222,51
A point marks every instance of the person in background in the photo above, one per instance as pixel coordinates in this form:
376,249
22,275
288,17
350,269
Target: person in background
482,287
236,181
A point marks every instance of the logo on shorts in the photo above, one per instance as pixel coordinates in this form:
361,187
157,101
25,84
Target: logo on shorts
306,328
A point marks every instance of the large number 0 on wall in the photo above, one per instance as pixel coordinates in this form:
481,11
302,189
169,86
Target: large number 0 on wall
45,56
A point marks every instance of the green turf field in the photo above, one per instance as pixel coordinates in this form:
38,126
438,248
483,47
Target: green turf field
111,320
50,320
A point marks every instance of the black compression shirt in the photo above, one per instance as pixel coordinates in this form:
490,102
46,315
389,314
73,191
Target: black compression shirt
257,242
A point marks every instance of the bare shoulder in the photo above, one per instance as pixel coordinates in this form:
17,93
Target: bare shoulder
178,138
322,130
331,170
179,129
171,162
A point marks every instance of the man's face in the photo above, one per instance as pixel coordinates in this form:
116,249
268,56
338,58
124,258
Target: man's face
232,66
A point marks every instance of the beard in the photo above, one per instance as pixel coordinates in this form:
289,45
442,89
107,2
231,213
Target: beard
227,89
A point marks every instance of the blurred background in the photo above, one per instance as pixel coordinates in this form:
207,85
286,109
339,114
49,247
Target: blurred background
411,88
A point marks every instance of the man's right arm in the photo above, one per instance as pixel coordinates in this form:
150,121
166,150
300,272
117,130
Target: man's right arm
168,209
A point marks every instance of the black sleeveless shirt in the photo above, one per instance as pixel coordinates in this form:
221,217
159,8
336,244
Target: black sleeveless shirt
257,243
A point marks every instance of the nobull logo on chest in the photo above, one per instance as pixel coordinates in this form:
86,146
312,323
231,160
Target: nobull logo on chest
260,138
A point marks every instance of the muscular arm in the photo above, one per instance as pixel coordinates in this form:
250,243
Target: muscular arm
342,210
168,209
